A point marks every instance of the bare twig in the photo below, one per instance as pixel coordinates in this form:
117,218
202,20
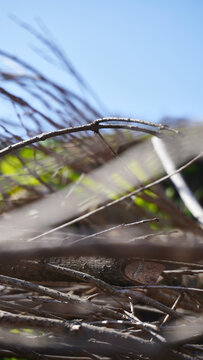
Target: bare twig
55,294
184,271
112,289
124,342
180,288
175,304
116,227
142,122
122,198
94,126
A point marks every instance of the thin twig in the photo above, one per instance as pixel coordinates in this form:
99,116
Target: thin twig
138,121
182,288
110,289
149,328
75,330
55,294
122,198
116,227
94,126
184,271
174,306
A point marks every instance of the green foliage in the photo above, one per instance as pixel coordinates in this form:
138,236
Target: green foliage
12,358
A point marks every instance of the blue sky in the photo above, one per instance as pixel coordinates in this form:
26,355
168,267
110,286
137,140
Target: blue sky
143,58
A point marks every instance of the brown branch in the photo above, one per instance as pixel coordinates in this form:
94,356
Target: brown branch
94,126
143,122
74,329
58,295
80,333
116,227
20,320
15,307
112,290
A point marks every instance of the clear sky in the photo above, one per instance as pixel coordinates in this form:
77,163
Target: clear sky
143,58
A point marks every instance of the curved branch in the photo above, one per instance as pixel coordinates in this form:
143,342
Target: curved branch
94,126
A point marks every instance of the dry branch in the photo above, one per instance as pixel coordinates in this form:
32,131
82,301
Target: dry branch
122,198
95,126
105,315
70,299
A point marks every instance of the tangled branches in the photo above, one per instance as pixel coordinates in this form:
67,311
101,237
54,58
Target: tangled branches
96,261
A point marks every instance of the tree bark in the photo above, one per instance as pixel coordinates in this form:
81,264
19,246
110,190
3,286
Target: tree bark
114,271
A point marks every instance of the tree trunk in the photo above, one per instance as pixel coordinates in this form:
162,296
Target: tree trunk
114,271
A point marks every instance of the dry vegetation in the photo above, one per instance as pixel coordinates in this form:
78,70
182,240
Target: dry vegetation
98,260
